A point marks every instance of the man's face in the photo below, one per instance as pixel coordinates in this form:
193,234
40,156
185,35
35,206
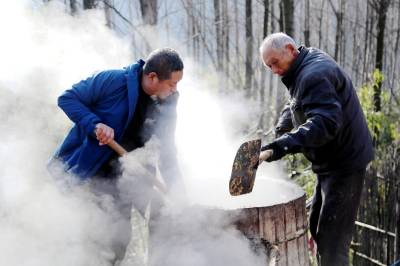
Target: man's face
164,88
279,60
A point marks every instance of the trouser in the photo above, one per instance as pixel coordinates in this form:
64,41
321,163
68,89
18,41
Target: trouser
333,212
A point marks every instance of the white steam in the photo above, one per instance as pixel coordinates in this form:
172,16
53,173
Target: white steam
208,136
43,51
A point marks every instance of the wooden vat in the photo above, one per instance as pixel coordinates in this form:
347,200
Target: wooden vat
273,215
283,226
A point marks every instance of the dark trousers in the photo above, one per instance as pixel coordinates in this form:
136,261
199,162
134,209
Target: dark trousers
333,212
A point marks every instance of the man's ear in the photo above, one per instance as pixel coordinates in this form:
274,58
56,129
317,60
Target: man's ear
152,76
290,47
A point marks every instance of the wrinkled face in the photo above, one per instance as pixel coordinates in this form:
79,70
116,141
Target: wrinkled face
164,88
279,60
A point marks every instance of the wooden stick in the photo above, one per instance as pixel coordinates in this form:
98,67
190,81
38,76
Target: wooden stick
121,152
117,148
374,228
377,262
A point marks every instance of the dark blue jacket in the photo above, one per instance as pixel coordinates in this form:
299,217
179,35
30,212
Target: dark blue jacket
324,110
108,97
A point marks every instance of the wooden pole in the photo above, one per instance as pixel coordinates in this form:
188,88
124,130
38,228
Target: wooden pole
397,230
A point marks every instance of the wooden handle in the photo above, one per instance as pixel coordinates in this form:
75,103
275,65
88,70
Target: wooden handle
121,152
264,155
117,148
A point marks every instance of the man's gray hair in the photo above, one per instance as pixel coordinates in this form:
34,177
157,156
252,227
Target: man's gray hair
277,41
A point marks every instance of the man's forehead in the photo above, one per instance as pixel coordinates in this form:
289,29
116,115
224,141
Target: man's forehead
269,49
270,53
176,75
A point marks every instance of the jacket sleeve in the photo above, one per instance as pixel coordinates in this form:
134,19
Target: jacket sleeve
323,112
284,122
78,102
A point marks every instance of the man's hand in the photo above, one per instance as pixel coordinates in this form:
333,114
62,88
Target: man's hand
104,133
278,152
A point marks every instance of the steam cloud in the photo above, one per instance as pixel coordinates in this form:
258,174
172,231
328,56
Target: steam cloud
40,224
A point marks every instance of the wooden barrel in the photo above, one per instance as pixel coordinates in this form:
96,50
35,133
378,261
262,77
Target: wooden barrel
283,227
273,215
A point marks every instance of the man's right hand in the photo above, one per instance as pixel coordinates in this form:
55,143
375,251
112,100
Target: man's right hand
104,134
277,151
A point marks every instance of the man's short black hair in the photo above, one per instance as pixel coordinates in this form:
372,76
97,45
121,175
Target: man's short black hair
163,62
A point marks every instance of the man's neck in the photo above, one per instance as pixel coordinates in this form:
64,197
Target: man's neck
144,84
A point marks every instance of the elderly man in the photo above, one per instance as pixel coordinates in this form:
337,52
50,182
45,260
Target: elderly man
324,121
128,105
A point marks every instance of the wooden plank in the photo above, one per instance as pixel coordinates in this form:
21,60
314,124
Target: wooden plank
267,224
301,225
292,253
248,222
290,220
282,254
290,232
279,220
302,250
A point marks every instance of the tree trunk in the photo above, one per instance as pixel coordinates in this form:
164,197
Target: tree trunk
266,18
73,7
108,13
288,15
356,48
342,48
396,57
193,32
281,17
307,23
272,88
286,10
218,34
339,20
236,13
320,19
237,58
89,4
263,70
225,34
149,11
397,230
368,32
381,9
249,48
202,27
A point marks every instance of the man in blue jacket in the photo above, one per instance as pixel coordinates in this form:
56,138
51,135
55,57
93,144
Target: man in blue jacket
128,105
324,121
115,104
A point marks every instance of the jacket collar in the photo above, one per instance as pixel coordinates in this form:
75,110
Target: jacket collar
289,77
132,82
136,67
